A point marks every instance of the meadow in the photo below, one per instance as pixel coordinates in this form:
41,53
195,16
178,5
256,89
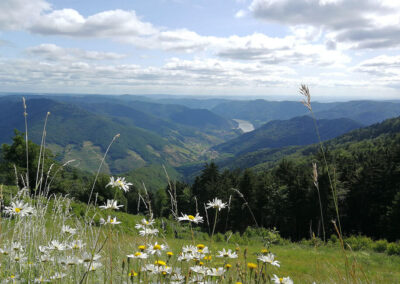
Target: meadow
51,237
55,239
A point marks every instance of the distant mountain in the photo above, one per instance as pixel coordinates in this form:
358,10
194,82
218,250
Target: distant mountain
365,112
73,132
282,133
376,135
260,111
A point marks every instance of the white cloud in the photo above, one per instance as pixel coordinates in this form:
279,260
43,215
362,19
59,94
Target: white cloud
53,52
363,23
19,14
114,23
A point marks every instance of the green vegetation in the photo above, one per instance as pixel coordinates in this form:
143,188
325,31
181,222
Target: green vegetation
282,133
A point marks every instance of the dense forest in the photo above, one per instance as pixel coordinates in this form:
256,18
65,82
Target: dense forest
363,164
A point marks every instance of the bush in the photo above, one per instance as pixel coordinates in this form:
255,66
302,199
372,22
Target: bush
393,249
380,245
358,243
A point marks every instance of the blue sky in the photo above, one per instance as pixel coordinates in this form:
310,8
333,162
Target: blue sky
343,49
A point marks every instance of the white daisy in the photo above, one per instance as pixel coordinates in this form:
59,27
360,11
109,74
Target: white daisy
19,208
112,221
119,183
218,272
194,219
111,204
56,245
269,258
283,280
227,253
148,231
68,229
140,255
199,269
156,248
216,204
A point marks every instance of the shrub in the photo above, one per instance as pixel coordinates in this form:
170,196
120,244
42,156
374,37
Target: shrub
380,245
393,249
359,242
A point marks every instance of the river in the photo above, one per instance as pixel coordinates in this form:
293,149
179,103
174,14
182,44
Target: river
244,125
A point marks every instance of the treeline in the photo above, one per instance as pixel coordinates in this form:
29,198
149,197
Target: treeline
365,175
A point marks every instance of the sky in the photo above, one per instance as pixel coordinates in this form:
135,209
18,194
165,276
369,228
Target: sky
342,49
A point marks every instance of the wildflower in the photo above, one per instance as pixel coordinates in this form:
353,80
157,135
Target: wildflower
227,266
88,257
77,244
251,265
216,271
94,266
170,253
16,246
160,263
58,276
68,229
227,253
132,274
189,249
41,280
264,251
216,204
112,221
111,204
269,258
19,208
156,248
200,246
177,278
284,280
199,269
194,219
140,255
56,245
148,231
119,183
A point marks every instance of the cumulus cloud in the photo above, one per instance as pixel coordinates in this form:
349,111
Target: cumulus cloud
53,52
114,23
364,23
20,14
385,67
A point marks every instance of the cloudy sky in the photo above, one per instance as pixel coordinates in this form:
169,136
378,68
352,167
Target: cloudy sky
343,49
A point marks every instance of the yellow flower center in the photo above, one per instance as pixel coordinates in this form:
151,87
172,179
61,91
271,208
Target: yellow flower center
142,247
281,280
251,265
207,257
170,253
17,210
191,217
138,254
201,263
264,251
12,276
112,220
160,263
157,247
200,246
228,266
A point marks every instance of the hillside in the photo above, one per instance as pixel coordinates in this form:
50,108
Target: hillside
282,133
381,134
74,133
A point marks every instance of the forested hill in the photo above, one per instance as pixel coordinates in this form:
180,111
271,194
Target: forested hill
282,133
73,132
364,168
